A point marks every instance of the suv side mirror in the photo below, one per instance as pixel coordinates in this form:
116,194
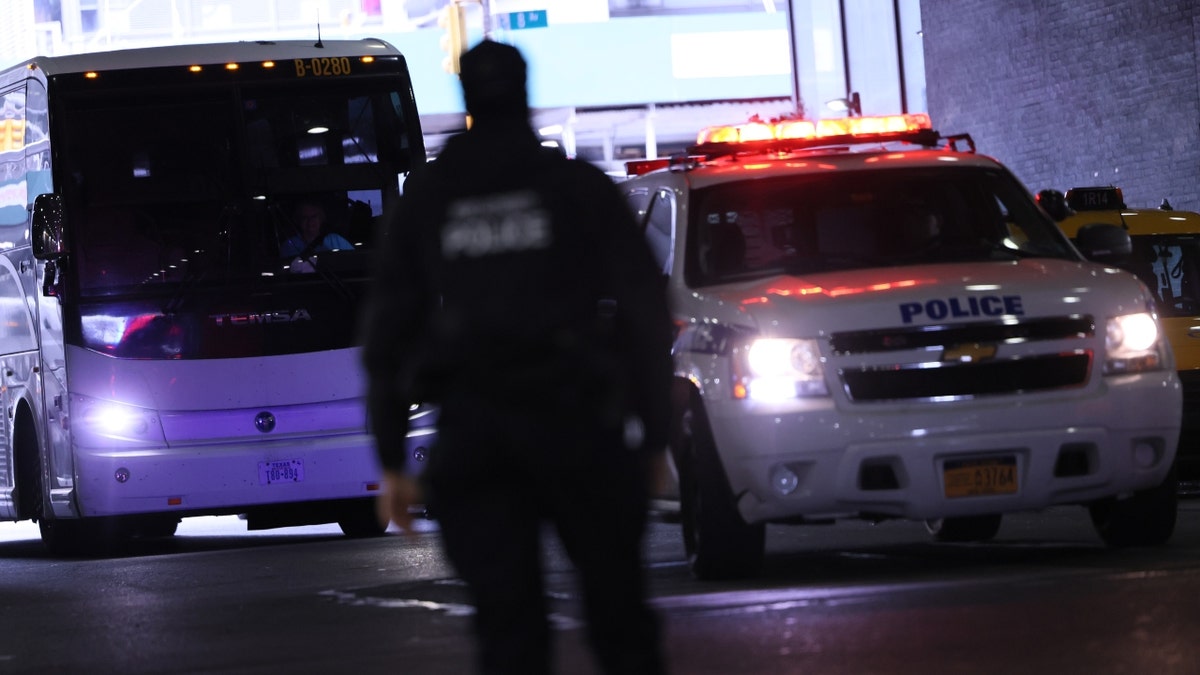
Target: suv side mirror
1055,204
48,221
1104,243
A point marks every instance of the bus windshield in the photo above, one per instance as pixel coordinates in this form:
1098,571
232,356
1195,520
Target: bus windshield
174,188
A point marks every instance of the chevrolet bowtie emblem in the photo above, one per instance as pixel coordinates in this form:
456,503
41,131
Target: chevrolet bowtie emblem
968,353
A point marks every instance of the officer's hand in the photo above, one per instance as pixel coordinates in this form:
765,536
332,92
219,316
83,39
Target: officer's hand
400,492
661,473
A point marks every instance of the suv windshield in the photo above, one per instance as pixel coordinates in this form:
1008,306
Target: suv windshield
808,224
183,186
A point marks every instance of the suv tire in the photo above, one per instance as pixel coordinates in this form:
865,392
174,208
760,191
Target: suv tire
1145,519
964,528
718,542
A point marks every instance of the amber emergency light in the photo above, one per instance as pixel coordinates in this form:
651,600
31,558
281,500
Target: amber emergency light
859,127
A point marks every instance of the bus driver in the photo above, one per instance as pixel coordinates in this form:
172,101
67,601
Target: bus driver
311,236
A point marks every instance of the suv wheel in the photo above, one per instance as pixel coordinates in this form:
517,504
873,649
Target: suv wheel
964,528
1145,519
718,542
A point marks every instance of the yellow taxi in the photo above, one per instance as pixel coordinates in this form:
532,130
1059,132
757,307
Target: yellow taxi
1166,256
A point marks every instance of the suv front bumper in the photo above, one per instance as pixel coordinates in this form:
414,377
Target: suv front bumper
892,460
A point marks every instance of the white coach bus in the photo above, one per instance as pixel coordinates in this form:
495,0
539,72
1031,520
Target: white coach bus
173,340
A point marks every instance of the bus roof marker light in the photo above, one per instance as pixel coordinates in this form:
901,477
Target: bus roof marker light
91,75
195,69
368,59
268,64
232,66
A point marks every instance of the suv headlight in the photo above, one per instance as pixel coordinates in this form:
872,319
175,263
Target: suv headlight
775,369
1132,344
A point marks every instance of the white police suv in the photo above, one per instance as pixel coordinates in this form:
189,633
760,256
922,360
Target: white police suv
876,322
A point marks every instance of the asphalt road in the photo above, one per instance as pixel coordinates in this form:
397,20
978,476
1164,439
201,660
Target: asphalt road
853,598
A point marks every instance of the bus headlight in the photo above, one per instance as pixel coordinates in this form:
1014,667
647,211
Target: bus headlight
1132,344
98,423
774,369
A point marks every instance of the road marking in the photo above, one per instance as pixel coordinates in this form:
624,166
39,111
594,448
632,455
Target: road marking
356,600
351,598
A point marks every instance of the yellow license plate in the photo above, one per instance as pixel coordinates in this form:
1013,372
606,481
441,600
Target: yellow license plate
979,477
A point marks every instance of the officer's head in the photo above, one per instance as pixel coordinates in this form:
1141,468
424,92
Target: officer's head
493,81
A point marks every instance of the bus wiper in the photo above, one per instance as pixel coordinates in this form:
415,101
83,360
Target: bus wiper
328,276
183,289
195,271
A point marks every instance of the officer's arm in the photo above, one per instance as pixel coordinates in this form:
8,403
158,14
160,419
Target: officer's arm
395,312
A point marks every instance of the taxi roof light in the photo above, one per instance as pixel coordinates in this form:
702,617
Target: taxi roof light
1099,198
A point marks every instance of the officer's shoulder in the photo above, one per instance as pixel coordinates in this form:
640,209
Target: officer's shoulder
577,169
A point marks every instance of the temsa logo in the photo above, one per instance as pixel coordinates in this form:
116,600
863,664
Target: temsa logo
255,318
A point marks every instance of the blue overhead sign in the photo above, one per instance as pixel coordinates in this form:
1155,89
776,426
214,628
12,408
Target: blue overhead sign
534,18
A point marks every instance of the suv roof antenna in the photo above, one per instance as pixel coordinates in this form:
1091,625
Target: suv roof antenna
319,44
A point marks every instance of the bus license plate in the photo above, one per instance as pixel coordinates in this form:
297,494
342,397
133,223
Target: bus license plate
283,471
979,477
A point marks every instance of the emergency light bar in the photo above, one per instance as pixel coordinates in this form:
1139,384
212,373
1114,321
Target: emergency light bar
785,135
858,127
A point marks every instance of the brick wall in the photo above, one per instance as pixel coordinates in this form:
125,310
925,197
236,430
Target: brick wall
1073,92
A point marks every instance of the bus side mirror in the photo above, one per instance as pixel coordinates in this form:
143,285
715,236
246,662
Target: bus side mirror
1104,243
48,221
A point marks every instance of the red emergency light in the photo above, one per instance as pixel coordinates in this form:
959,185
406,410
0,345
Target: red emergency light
638,167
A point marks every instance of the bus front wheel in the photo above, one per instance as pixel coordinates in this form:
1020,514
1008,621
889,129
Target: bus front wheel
361,519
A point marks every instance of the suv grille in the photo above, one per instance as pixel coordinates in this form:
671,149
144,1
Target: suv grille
1060,368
